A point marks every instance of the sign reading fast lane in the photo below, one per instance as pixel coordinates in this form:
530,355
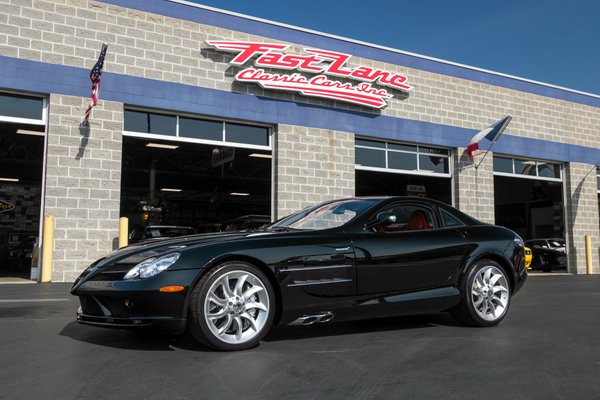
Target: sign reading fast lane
324,63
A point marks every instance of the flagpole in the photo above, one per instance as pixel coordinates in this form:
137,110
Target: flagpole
485,154
590,171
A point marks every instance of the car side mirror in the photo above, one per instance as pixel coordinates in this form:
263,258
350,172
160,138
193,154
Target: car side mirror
386,218
382,219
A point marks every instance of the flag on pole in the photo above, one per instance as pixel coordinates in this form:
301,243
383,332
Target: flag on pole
491,133
95,75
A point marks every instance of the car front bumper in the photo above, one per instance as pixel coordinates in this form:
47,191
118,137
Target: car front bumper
136,303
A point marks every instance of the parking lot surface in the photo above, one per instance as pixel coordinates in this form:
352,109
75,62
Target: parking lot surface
548,347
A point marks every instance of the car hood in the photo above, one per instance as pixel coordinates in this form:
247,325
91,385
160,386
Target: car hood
156,247
117,263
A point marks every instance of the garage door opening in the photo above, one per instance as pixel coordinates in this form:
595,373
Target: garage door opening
396,169
178,187
528,196
22,134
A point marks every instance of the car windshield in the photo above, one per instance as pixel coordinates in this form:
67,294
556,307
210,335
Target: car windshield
324,216
556,243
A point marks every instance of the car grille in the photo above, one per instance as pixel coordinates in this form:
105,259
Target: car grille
90,305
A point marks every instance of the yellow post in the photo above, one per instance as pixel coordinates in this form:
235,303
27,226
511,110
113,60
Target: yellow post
47,248
588,254
123,232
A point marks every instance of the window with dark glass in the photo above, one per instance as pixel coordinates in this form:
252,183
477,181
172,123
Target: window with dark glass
433,163
407,161
135,121
401,157
525,167
370,157
162,124
21,106
542,169
503,165
548,170
450,220
240,133
200,129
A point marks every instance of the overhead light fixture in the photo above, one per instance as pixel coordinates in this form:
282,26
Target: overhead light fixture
260,155
239,194
162,146
28,132
9,179
170,190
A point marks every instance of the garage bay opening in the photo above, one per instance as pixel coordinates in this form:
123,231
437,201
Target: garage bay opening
397,169
186,175
528,197
22,134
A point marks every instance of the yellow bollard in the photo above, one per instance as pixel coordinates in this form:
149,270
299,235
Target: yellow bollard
588,254
123,232
47,248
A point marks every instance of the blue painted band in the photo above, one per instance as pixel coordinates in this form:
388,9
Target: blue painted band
33,76
227,21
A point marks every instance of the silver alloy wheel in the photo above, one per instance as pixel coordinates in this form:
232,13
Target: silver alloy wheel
490,293
236,307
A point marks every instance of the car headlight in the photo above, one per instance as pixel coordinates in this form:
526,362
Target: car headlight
152,266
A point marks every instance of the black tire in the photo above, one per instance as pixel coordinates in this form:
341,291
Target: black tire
468,312
202,330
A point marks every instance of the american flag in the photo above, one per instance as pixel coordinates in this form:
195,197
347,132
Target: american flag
95,75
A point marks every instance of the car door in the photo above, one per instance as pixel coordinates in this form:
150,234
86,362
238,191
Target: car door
403,257
320,264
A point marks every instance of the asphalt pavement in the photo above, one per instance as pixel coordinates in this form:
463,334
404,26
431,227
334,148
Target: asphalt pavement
548,347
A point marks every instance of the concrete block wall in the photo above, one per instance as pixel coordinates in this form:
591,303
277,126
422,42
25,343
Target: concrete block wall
582,215
142,44
474,187
311,166
83,182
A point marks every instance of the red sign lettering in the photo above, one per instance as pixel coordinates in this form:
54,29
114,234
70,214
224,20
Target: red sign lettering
322,62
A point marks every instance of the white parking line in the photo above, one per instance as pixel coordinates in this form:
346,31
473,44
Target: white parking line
31,300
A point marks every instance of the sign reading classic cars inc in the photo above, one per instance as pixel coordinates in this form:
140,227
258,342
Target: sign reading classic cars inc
325,64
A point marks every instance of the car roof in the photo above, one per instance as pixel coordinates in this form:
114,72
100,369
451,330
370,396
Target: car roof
384,200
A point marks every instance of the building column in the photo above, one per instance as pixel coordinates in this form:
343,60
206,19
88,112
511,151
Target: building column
311,166
581,212
83,182
474,187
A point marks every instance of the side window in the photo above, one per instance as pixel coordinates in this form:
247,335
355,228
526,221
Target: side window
450,220
408,218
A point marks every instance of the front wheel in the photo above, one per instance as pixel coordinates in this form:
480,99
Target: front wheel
231,307
485,295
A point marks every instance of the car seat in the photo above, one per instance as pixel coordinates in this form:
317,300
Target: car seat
417,221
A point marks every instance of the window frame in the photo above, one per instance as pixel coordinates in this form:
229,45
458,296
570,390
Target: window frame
537,162
417,153
29,121
184,139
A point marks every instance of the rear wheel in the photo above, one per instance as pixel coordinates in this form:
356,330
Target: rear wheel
232,307
485,295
